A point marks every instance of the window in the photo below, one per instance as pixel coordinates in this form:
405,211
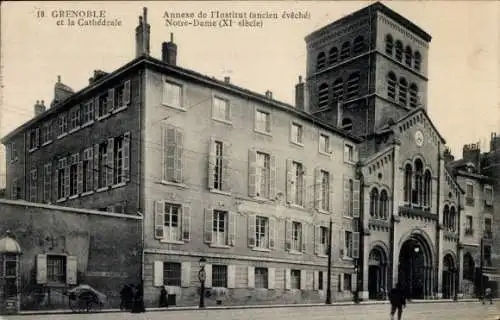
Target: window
33,139
119,96
74,118
61,178
389,45
384,205
62,122
399,50
352,86
469,225
338,90
102,166
469,195
413,95
403,91
219,276
9,275
221,109
325,190
73,175
320,280
88,112
323,96
13,152
488,196
453,219
358,45
324,143
172,274
33,185
374,203
173,145
323,240
333,55
56,268
408,183
295,279
262,121
427,189
297,133
46,132
88,157
15,189
261,278
118,173
391,85
220,229
263,175
297,184
487,228
408,56
446,217
418,179
296,236
417,61
103,105
487,255
172,217
348,153
348,244
345,51
347,282
172,95
218,168
261,232
321,61
47,179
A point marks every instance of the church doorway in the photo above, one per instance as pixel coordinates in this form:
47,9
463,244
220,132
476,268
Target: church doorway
415,270
449,274
377,273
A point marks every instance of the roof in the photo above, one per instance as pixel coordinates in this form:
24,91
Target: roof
412,113
378,6
146,61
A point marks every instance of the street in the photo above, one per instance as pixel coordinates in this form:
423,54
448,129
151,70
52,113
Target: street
414,311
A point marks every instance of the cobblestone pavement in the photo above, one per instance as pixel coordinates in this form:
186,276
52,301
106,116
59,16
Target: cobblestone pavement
414,311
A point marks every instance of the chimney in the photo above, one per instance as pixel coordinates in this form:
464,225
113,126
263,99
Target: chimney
142,33
227,79
471,153
97,75
447,156
494,142
39,107
269,94
299,95
61,92
169,51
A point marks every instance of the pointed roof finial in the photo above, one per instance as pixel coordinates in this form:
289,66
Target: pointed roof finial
58,79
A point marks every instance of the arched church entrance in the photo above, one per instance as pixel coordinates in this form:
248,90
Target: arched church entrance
415,267
449,274
377,272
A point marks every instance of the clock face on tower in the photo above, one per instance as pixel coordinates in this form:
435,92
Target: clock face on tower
419,138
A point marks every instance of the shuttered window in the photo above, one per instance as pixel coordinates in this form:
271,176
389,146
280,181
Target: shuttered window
33,185
219,276
173,142
172,221
172,274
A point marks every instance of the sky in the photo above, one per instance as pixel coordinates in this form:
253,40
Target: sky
464,56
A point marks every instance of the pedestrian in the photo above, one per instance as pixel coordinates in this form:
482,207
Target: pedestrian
126,297
488,295
397,297
163,297
138,304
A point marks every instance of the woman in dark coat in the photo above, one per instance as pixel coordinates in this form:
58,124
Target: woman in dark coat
397,297
138,304
163,298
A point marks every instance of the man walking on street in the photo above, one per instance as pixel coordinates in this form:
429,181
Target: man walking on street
397,297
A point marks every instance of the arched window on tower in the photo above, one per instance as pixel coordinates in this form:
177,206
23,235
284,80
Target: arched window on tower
347,124
333,56
427,189
389,45
391,85
418,179
338,90
408,56
345,52
323,96
417,61
321,62
408,181
453,219
403,91
352,86
413,95
358,45
384,205
399,50
374,203
446,216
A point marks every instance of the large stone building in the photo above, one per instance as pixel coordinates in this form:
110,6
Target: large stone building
251,183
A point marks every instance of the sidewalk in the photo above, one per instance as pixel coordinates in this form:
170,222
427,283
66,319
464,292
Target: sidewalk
195,308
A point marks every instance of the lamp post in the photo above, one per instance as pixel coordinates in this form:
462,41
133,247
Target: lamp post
356,285
329,280
202,276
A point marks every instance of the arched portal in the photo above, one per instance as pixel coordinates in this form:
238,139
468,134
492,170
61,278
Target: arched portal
449,274
415,271
377,272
